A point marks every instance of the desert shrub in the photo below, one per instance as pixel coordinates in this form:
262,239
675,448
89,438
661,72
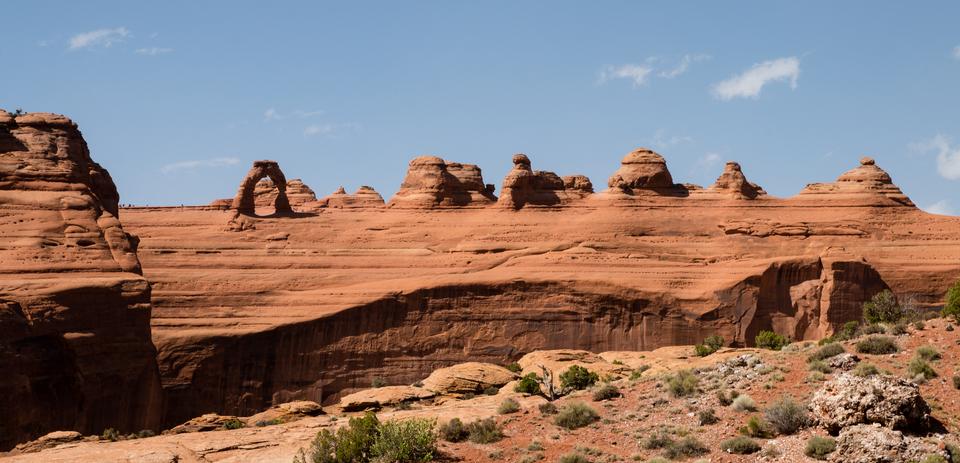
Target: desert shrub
145,433
637,373
453,431
819,447
744,403
349,443
864,369
578,378
919,325
710,345
882,308
877,345
928,353
820,365
687,447
514,367
726,398
770,340
949,327
951,308
548,408
110,434
574,458
934,459
508,406
265,423
825,352
920,367
485,431
954,451
233,423
658,440
535,446
575,415
606,392
740,445
408,441
786,416
683,384
707,416
873,328
492,390
756,427
849,330
956,381
899,329
378,382
528,384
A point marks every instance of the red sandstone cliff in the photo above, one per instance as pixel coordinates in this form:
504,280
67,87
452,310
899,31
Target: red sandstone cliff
75,348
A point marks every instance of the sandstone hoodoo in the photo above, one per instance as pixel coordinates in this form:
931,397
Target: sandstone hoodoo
245,202
865,184
733,182
298,193
523,186
433,182
75,348
641,170
364,197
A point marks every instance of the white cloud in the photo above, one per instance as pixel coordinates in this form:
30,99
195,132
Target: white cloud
635,72
199,163
319,129
682,66
751,82
662,141
99,38
152,51
708,160
271,114
948,157
956,52
940,207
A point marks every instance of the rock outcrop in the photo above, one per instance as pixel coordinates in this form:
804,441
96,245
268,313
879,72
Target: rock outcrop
467,378
732,182
523,186
75,348
642,170
378,397
245,202
866,443
298,193
365,197
849,400
433,182
865,185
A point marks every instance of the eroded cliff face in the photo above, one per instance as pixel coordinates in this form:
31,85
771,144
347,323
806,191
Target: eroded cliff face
75,347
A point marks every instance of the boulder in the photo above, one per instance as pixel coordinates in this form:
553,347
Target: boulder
433,182
49,441
381,396
470,377
204,423
872,443
523,186
641,169
844,361
849,400
286,412
560,360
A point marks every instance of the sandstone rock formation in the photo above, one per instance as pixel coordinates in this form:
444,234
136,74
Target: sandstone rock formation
433,182
378,397
733,182
75,348
467,378
265,193
850,400
642,170
523,186
245,202
365,197
865,443
866,184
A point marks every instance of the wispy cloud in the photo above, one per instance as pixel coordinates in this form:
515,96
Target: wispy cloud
662,141
327,130
751,82
634,72
153,51
198,164
956,52
707,161
99,38
682,66
271,114
941,207
948,156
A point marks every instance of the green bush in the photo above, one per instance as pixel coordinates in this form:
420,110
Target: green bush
687,447
485,431
508,406
350,443
637,373
873,328
658,440
878,345
453,431
864,369
819,447
574,458
233,423
406,441
919,325
934,459
548,408
825,352
919,367
956,381
849,330
707,416
928,353
514,367
683,384
110,434
710,345
726,398
744,403
786,416
378,382
770,340
606,392
952,303
575,415
820,365
528,384
740,445
756,427
882,308
578,378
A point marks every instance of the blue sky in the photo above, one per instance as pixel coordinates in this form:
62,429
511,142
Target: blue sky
177,98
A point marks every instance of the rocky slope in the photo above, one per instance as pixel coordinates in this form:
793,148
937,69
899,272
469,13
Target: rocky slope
75,347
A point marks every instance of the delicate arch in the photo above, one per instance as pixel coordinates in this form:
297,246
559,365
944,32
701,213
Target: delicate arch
244,201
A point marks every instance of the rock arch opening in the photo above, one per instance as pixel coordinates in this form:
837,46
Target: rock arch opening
245,201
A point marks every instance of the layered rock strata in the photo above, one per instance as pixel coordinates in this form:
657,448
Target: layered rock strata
523,186
433,182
